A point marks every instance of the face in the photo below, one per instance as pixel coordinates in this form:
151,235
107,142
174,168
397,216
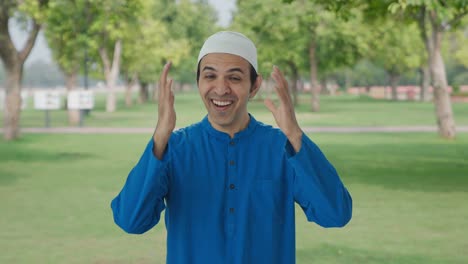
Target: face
225,88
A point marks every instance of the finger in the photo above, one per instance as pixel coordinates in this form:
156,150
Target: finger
171,93
285,96
279,86
270,105
163,77
281,77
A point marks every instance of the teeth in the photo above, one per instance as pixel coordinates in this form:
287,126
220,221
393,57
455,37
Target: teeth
222,103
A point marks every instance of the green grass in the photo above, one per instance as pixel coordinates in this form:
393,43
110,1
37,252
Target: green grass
345,110
410,194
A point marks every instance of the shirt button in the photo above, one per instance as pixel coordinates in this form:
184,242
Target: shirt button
232,143
232,186
231,163
231,210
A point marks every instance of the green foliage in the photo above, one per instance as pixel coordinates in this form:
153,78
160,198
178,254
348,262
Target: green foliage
275,30
189,23
66,33
33,9
167,30
446,14
83,26
397,47
284,32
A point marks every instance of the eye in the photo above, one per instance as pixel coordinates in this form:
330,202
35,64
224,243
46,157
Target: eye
235,78
209,76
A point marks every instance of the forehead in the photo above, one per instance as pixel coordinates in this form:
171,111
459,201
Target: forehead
224,61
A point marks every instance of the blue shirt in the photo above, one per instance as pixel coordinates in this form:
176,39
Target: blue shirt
231,200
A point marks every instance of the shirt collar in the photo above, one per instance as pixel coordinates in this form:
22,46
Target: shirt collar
222,135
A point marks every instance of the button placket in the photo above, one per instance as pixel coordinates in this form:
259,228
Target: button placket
231,186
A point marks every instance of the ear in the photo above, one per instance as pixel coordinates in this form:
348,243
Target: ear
254,89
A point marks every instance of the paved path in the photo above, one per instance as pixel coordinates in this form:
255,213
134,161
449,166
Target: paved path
143,130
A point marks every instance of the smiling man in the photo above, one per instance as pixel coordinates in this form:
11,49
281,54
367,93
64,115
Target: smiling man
229,183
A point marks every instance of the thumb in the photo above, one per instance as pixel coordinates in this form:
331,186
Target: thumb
270,105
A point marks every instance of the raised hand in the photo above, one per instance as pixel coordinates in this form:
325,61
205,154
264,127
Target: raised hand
166,113
284,113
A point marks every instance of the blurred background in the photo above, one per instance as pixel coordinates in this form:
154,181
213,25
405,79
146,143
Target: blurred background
381,86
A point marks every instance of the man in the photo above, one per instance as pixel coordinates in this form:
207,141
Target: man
229,182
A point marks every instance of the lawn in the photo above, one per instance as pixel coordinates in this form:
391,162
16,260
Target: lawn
344,110
409,192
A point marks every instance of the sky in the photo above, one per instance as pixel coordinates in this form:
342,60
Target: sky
41,50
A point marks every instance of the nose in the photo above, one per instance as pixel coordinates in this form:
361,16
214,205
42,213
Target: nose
222,87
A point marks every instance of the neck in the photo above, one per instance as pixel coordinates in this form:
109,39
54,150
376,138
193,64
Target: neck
231,129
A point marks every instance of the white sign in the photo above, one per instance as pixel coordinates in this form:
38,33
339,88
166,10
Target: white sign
24,99
47,100
80,100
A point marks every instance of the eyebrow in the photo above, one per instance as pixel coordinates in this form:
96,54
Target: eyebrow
209,68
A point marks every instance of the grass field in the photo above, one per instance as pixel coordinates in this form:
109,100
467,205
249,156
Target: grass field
335,111
410,194
410,190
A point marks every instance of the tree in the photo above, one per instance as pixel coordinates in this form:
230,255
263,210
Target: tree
395,47
436,17
303,30
255,19
65,30
189,22
110,22
170,31
32,13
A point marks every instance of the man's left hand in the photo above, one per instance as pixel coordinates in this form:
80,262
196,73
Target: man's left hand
284,113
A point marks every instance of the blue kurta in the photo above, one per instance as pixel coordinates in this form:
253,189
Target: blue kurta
231,200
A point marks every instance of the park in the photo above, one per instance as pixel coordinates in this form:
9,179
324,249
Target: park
403,164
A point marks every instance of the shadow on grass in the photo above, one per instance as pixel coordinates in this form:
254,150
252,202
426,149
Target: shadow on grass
409,166
24,155
18,154
333,254
8,177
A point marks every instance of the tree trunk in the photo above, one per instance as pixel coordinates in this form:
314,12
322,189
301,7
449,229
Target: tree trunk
13,61
12,111
130,83
315,91
144,93
393,79
443,105
348,79
70,84
295,78
323,86
425,82
111,72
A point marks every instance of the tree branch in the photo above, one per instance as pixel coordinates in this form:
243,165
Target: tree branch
458,17
7,48
116,58
423,28
23,54
105,60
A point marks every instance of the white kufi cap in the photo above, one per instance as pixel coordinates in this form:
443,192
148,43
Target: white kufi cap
233,43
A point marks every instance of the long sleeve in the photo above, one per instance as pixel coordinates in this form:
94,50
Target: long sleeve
138,206
318,188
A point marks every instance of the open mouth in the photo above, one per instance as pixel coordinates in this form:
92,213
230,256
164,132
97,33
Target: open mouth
222,103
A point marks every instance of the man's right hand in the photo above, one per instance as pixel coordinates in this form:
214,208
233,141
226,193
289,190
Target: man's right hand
166,114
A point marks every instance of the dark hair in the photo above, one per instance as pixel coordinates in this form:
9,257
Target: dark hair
253,74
